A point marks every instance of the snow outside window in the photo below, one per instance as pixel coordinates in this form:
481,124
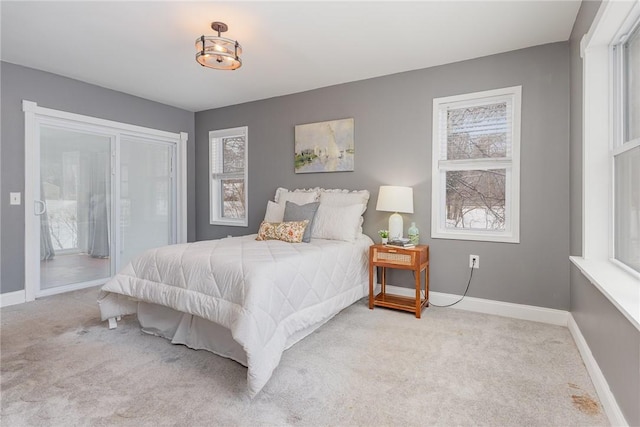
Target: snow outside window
476,166
228,171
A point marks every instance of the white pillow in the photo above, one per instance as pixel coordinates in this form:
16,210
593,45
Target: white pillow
344,198
275,212
337,222
299,197
336,197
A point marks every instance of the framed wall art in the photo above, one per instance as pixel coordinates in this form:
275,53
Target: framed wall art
324,147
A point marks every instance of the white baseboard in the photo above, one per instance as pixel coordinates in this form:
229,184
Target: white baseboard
609,404
499,308
12,298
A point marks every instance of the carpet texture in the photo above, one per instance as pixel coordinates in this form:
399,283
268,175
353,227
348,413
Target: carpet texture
61,366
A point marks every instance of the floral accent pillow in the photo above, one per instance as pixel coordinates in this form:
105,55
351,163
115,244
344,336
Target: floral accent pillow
290,231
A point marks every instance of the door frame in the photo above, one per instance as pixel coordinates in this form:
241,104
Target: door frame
34,116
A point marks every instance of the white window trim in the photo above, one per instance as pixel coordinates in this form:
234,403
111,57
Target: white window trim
620,285
215,216
512,190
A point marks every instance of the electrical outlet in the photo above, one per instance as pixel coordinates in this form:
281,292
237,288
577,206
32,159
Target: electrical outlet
14,198
473,264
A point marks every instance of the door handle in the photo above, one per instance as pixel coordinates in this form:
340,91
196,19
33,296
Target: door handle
43,207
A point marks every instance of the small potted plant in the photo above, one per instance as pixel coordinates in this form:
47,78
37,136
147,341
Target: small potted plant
384,235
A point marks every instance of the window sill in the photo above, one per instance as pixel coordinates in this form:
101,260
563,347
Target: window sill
230,223
242,222
620,287
481,237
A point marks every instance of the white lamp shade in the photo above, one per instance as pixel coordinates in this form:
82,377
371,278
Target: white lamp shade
396,199
392,198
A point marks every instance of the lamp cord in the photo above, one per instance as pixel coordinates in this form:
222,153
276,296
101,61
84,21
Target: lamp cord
465,291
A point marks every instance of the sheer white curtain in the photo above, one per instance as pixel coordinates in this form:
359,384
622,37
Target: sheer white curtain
99,205
46,245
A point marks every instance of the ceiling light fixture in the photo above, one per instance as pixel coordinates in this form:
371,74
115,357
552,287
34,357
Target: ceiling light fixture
218,52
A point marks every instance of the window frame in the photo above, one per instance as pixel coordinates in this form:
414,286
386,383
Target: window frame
215,179
620,285
511,164
619,142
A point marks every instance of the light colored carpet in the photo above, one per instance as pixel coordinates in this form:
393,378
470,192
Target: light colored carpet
61,366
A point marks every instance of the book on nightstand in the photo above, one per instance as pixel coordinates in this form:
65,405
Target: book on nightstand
401,243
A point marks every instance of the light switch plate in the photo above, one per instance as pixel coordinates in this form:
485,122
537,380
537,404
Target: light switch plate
14,198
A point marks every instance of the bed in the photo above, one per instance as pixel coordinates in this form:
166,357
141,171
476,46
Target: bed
248,299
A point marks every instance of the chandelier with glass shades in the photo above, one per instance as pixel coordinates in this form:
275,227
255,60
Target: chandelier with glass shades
218,52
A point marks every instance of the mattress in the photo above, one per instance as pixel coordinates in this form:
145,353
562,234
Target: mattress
267,294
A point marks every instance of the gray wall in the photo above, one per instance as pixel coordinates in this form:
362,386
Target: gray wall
393,146
61,93
613,340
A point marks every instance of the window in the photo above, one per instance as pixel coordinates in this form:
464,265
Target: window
228,171
626,149
476,146
610,155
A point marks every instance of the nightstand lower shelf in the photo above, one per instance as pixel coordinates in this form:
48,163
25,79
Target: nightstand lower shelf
398,302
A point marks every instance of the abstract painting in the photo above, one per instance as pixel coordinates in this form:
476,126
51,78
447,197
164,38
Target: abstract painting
324,146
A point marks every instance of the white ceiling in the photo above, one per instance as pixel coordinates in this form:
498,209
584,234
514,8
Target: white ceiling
147,48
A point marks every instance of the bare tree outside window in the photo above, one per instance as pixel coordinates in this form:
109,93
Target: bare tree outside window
233,189
476,198
477,132
233,154
233,200
228,174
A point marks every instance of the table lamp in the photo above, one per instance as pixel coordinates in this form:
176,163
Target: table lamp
395,199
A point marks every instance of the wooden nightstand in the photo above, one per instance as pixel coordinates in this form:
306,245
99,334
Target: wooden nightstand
415,259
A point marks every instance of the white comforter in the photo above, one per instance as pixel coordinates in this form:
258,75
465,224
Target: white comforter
262,291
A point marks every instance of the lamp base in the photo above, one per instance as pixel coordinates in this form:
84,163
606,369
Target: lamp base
395,226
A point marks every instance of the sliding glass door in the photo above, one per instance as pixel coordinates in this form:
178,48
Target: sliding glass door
85,236
97,193
147,197
74,207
